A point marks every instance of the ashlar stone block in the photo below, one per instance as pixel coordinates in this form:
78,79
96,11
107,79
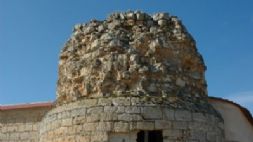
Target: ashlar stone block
183,115
146,125
121,127
151,113
163,124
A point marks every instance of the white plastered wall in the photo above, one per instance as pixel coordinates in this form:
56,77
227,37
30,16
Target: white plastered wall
236,125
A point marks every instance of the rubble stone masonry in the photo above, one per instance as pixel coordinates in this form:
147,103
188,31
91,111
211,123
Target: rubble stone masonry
133,54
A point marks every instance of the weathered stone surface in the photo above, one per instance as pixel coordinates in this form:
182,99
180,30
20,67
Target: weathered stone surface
132,54
180,82
183,115
117,109
129,117
199,117
119,101
145,125
105,126
169,114
163,124
132,109
105,101
95,110
90,126
198,135
121,127
67,122
180,125
99,137
151,113
93,117
172,133
211,136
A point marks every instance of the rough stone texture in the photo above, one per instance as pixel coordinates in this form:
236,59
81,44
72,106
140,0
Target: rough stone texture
133,54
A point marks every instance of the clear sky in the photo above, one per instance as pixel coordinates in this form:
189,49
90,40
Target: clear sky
33,32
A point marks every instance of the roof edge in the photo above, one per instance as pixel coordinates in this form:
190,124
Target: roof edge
27,106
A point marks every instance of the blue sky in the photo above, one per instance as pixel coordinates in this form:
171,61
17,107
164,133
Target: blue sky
33,32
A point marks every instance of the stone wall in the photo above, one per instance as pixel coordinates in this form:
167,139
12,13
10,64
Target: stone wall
21,124
97,119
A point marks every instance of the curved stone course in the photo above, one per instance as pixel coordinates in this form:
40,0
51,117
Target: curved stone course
93,120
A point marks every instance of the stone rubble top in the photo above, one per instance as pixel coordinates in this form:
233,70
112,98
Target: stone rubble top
140,22
132,54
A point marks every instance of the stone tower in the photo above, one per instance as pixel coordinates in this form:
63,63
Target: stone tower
131,78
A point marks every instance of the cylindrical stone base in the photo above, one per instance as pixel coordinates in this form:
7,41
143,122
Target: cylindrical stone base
120,119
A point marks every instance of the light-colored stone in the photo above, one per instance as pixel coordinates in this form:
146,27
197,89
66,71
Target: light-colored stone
99,137
121,127
119,101
105,126
145,125
151,113
169,114
163,124
183,115
104,101
132,109
108,117
180,125
129,117
93,118
95,110
199,117
89,126
114,109
180,82
67,122
172,133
